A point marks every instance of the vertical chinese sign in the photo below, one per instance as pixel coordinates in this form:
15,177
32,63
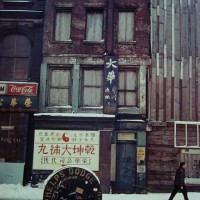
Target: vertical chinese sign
56,148
110,84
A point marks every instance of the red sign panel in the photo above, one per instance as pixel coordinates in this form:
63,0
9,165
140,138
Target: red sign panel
22,89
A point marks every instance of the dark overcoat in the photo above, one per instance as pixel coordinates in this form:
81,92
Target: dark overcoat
180,177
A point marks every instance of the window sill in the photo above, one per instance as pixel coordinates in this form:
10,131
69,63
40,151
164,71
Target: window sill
127,43
58,109
93,42
62,42
130,110
15,1
91,109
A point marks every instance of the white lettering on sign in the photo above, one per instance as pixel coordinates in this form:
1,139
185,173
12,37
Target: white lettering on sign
22,90
3,88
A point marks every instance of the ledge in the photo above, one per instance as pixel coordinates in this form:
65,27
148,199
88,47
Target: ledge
91,115
93,42
33,14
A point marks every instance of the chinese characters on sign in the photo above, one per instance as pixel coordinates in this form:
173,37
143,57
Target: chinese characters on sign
18,103
57,148
20,97
111,84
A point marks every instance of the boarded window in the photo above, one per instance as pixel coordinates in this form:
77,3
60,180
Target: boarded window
127,90
126,27
94,26
13,136
62,25
92,85
59,87
14,57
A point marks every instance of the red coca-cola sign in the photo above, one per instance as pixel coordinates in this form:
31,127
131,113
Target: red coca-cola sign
22,89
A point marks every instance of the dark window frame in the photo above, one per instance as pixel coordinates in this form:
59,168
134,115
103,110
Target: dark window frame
29,57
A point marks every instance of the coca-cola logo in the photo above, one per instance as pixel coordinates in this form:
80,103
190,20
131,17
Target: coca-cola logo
22,89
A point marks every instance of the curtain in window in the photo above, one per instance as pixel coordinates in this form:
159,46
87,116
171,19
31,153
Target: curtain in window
94,26
126,27
92,87
127,92
59,88
62,26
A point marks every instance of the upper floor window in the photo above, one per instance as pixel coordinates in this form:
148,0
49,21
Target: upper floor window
127,89
92,87
14,57
62,25
126,27
94,25
59,86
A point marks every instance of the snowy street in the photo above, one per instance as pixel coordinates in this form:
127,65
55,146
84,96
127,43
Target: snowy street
18,192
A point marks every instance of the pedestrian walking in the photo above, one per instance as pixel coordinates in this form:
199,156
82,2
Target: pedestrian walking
179,182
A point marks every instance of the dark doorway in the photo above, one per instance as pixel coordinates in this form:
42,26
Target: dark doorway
126,167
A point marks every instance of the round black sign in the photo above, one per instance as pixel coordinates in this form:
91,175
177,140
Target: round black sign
72,183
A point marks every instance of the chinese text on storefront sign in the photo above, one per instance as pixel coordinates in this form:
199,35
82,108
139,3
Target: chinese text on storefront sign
57,148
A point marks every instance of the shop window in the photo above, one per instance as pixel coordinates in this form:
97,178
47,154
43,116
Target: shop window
126,27
12,136
94,25
62,25
127,89
192,159
59,86
14,57
92,87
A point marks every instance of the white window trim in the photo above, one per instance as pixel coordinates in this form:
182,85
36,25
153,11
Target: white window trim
186,134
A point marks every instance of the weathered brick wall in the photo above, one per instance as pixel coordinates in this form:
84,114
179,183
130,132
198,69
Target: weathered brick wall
78,28
163,158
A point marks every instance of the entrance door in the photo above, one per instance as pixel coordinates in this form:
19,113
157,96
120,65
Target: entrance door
126,167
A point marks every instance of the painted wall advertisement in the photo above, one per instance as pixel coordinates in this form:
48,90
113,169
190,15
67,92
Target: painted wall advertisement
57,148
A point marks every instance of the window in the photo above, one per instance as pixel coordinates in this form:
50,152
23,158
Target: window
186,134
62,25
126,27
94,26
59,87
13,136
192,160
127,89
14,57
92,87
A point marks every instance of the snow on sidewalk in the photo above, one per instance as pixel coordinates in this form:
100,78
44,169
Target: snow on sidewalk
18,192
